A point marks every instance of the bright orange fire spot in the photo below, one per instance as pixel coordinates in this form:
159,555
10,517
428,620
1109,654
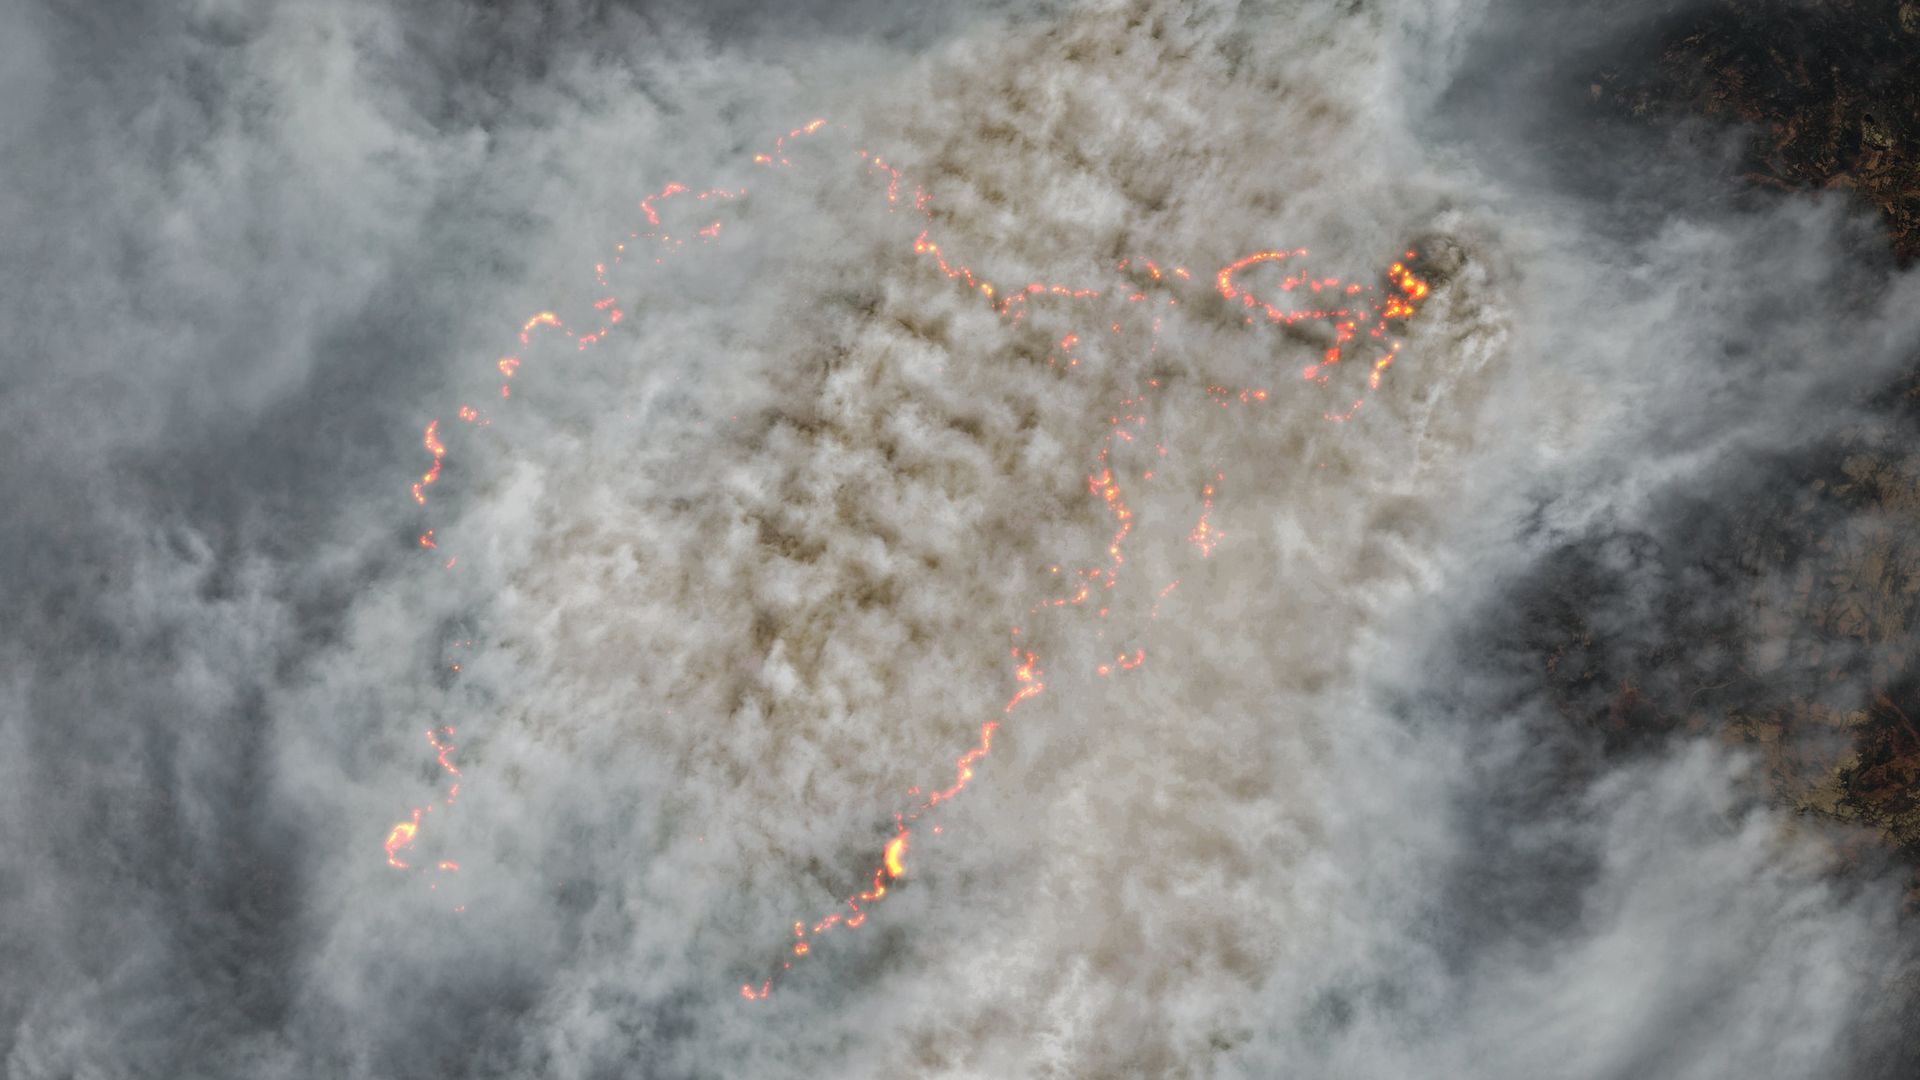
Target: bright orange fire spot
401,837
1204,535
403,833
895,851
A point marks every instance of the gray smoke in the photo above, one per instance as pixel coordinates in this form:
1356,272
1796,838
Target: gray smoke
733,580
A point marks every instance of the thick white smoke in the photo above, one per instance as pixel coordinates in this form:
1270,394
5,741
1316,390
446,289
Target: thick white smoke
734,580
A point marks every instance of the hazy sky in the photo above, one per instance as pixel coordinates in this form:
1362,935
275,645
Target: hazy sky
734,583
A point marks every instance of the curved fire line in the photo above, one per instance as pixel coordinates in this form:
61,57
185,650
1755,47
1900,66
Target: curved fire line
1362,318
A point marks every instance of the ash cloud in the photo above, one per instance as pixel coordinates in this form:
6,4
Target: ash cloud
1376,805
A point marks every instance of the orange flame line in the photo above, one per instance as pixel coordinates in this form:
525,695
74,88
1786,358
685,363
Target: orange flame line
1105,483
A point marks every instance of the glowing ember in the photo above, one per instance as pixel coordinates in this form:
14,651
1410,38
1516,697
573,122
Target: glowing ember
1356,314
896,851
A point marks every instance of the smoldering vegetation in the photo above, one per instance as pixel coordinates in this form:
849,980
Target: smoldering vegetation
1505,732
